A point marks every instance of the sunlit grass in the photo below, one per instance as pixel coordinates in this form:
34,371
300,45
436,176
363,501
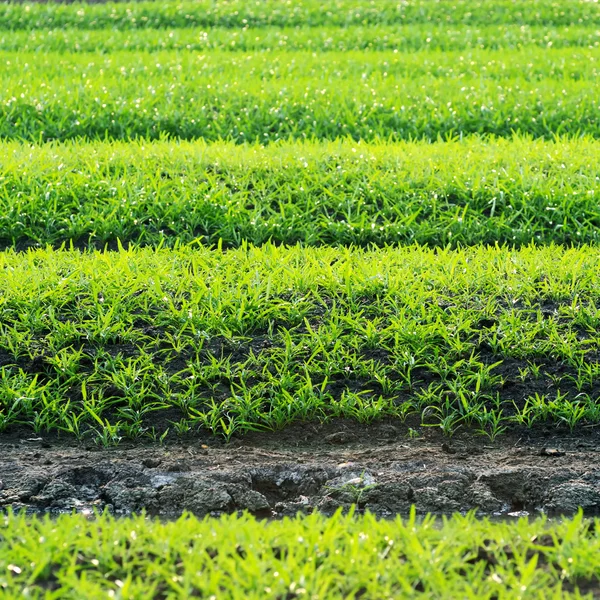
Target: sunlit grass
305,557
102,345
324,38
341,13
338,193
258,97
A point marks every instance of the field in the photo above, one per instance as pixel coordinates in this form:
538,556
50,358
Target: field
295,257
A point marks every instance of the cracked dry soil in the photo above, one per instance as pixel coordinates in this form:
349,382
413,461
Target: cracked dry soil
308,467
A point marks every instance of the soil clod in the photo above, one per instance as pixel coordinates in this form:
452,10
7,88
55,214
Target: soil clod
553,452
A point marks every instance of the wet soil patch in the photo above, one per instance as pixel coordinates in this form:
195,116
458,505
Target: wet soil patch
309,467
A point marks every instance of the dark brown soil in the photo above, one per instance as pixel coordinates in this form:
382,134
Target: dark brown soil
309,467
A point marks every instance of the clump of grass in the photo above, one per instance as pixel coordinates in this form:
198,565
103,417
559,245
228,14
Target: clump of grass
316,557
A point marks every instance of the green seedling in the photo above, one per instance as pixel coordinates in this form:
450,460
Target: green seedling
333,557
314,364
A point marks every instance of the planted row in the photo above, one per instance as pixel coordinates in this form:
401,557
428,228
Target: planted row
460,192
251,97
340,557
402,38
239,13
378,70
102,345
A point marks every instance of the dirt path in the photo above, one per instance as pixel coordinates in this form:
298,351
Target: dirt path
308,467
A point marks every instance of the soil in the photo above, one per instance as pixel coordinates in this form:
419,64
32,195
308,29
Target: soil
306,467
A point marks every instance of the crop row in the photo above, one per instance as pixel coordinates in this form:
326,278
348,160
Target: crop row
403,38
460,192
240,13
379,70
254,97
312,557
100,344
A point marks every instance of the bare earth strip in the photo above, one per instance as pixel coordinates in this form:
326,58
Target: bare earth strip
309,467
